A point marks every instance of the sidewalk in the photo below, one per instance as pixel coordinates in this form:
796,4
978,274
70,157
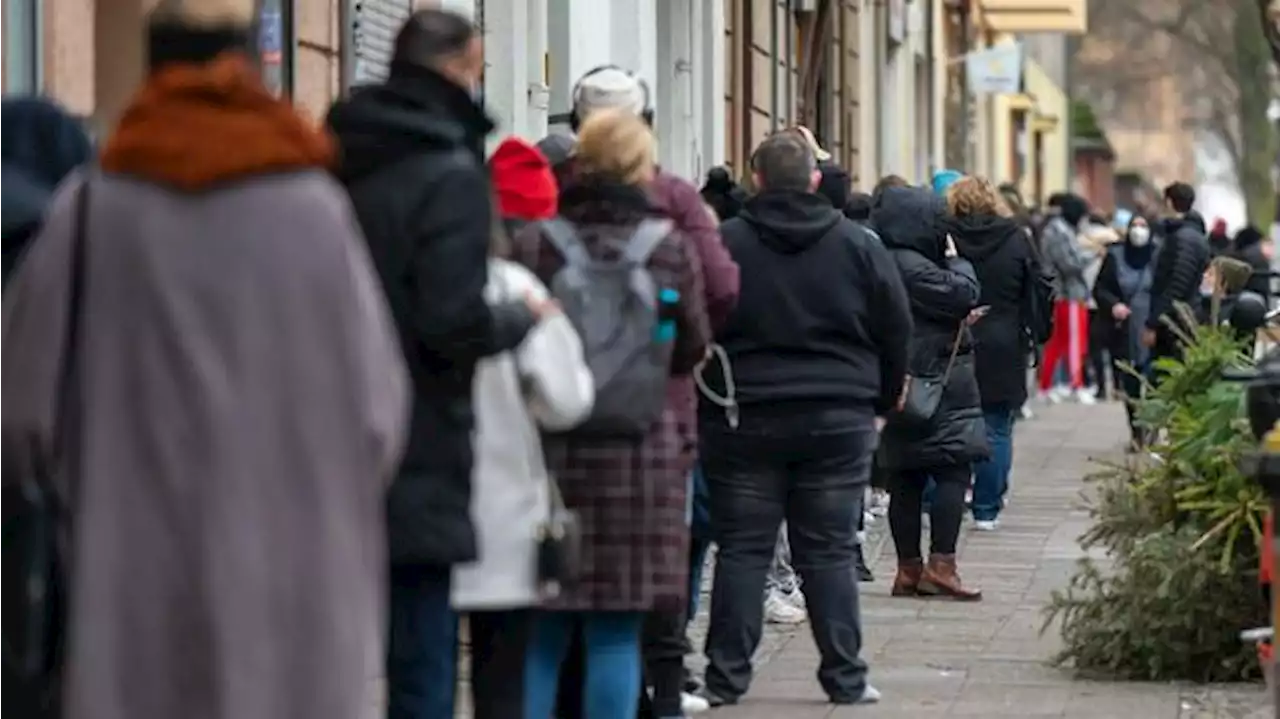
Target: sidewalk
938,659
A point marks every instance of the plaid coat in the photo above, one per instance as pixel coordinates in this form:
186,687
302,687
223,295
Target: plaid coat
631,497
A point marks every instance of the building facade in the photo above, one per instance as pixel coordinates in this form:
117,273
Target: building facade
874,79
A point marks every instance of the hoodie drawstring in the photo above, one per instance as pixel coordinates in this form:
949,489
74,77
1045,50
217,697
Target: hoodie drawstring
728,402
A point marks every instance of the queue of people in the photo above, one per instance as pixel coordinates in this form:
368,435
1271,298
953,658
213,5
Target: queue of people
285,404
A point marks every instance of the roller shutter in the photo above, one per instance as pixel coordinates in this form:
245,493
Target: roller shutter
373,34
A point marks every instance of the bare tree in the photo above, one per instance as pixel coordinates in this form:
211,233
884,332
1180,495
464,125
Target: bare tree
1223,59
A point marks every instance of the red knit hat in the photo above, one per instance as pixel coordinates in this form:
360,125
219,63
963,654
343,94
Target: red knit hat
523,181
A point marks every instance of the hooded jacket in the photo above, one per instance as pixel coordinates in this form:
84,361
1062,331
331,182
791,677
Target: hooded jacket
41,145
412,162
822,318
1249,248
1180,265
1006,268
942,292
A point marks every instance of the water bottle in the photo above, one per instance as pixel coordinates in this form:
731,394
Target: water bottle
668,298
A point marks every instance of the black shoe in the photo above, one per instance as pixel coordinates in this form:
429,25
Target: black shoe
692,684
860,565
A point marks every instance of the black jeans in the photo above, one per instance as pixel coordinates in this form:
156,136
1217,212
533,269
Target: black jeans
945,511
499,646
810,469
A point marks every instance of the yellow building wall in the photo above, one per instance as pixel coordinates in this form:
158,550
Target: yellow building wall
1051,103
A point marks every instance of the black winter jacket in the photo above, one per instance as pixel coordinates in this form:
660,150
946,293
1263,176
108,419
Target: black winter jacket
412,161
1180,266
822,316
1006,267
943,292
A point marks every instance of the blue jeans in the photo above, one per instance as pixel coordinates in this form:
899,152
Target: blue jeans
611,642
422,659
991,476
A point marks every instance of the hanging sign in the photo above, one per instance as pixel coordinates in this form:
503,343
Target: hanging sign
996,70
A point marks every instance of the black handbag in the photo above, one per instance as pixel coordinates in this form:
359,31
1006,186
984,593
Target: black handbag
924,393
35,525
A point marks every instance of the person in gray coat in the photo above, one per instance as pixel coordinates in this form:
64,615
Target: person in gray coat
944,291
236,404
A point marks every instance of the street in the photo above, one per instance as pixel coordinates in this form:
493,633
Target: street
939,659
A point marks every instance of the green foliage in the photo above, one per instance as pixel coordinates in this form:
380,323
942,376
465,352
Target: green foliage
1181,532
1084,123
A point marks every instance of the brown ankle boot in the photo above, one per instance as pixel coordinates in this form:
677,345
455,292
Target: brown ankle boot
907,578
941,580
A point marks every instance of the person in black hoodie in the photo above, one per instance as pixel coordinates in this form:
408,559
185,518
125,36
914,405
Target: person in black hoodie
42,144
1253,247
1006,268
724,196
944,292
816,348
412,161
1180,267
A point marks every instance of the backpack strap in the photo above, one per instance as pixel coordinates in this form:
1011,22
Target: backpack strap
564,237
647,236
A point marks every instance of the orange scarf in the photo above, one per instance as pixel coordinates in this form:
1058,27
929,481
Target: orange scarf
196,125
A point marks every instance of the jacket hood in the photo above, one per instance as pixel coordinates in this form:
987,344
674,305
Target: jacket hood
42,140
978,237
1248,237
1192,219
523,181
789,222
413,111
910,218
22,201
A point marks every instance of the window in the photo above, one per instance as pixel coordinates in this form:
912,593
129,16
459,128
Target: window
22,47
275,45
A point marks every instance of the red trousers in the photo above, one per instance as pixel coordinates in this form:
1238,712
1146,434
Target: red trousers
1069,341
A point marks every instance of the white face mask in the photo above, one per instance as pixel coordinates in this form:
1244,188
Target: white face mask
1139,236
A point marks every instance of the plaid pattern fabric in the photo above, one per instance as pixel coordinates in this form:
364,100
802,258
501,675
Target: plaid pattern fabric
631,497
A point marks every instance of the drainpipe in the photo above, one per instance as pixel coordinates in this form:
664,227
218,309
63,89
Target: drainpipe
966,120
930,87
773,66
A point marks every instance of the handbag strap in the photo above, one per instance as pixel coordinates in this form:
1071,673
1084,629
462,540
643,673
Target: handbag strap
955,352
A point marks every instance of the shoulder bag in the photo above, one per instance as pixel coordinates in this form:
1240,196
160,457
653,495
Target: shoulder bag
924,394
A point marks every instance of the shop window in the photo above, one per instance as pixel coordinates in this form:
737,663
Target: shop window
275,45
22,50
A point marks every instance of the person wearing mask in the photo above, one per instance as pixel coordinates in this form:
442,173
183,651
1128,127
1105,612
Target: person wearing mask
234,408
613,88
42,144
1219,240
722,194
1179,268
1123,293
984,232
629,494
1253,247
944,293
428,222
1068,260
815,350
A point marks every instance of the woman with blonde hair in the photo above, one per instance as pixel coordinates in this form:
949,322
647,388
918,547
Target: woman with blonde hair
986,233
629,494
835,185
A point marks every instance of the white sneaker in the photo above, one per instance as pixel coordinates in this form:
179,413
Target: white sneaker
879,503
968,498
1026,412
869,518
693,704
1055,395
1086,397
870,695
777,610
986,525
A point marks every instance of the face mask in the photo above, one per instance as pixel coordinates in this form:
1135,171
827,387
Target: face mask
1139,236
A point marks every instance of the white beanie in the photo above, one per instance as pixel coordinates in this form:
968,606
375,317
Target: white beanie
609,87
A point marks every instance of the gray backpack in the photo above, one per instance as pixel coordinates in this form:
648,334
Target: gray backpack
615,309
